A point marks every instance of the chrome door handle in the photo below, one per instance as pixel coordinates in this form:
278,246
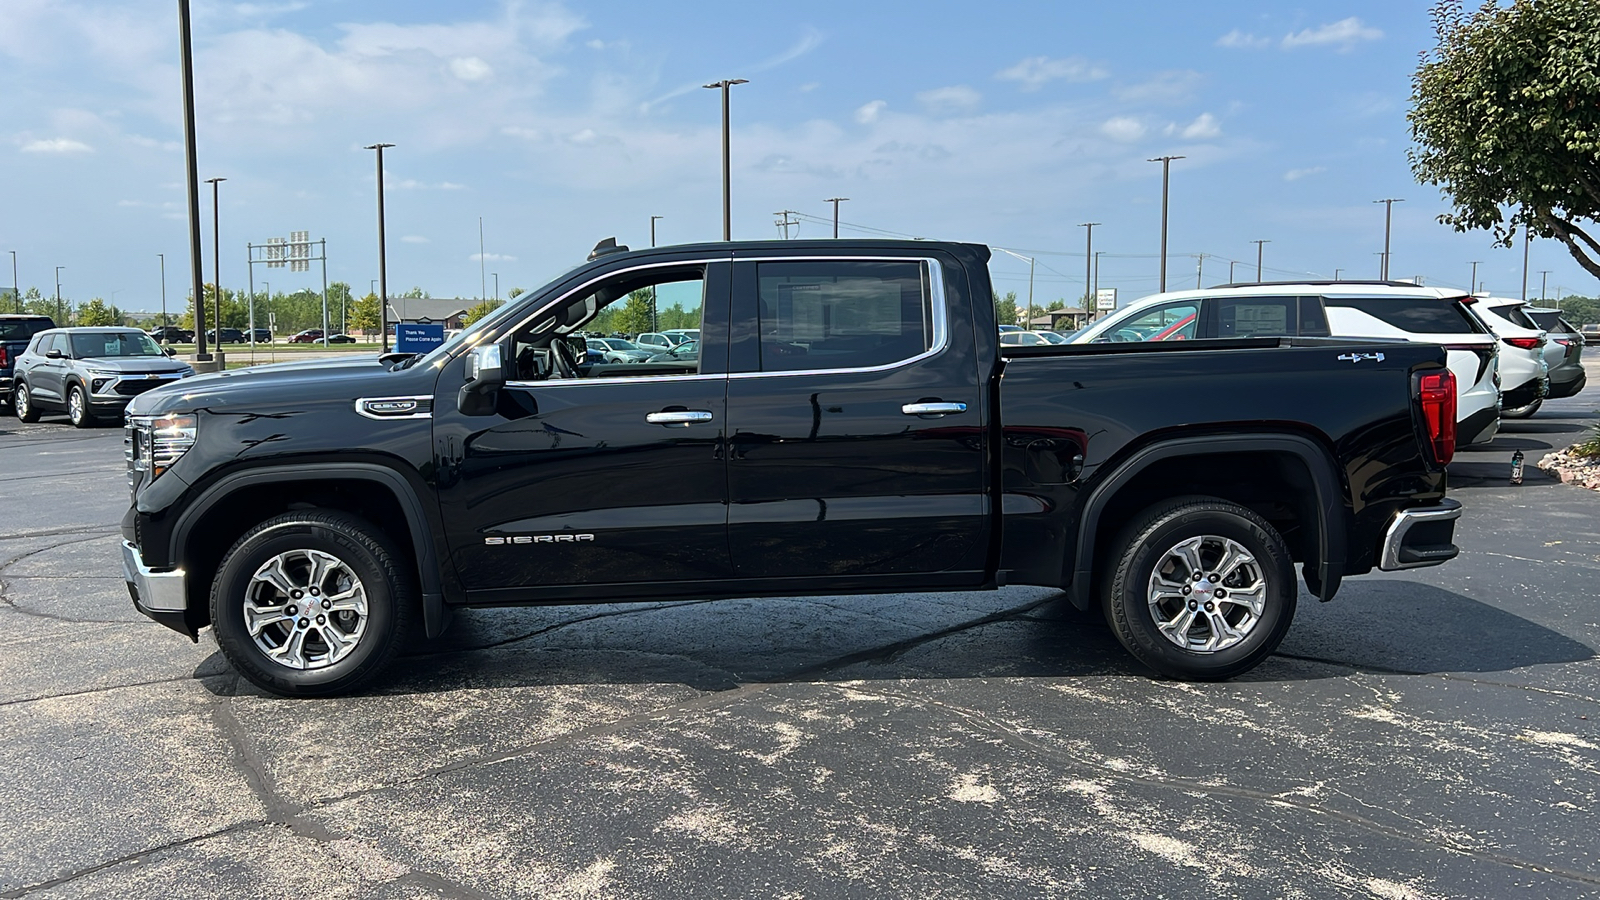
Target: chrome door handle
681,419
933,409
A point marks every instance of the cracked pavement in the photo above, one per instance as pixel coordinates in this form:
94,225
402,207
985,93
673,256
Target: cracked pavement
1427,734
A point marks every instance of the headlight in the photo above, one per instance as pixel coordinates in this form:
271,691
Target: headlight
158,441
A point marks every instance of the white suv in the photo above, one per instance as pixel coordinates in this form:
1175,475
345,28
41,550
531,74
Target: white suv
1524,360
1358,309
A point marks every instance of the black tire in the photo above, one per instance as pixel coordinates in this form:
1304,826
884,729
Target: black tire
1522,412
365,552
22,403
1151,539
78,412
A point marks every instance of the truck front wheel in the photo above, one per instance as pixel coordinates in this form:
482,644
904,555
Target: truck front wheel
1203,589
311,604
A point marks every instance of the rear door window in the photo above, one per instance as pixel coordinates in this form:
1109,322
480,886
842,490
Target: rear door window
843,314
1515,316
1242,317
1415,315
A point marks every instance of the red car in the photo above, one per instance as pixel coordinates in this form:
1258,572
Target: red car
309,336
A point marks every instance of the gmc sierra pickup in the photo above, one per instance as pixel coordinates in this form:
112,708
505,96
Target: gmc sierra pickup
847,422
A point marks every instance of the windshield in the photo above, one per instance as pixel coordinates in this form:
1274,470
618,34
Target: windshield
467,335
104,344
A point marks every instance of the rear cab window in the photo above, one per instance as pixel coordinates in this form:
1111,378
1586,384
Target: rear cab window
842,314
23,329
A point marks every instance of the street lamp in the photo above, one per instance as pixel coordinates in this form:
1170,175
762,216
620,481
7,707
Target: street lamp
59,315
16,287
1258,258
483,266
1388,211
836,201
653,229
216,255
1029,259
1472,286
727,206
163,258
1527,242
496,286
383,271
1166,169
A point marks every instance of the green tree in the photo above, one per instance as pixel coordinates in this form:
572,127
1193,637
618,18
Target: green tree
1581,310
417,293
1005,308
634,316
479,311
1505,112
98,312
364,314
516,292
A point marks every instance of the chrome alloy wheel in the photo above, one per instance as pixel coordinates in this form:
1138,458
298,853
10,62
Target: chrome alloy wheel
305,609
75,406
1207,593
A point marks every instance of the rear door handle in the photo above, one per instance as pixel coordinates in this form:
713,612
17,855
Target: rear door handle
933,409
680,418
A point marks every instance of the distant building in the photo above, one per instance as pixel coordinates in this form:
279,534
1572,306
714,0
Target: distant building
1071,318
445,311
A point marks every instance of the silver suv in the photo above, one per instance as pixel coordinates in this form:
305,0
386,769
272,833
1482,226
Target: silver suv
89,373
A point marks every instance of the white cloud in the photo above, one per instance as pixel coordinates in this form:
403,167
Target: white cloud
1174,86
1345,33
470,68
1037,71
870,112
947,100
56,145
809,86
1123,128
1240,40
491,257
519,131
413,239
1203,128
263,10
809,40
1297,174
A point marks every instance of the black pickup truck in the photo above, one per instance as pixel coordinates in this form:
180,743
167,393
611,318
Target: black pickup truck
848,424
16,332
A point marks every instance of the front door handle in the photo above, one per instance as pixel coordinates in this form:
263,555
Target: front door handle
933,409
678,418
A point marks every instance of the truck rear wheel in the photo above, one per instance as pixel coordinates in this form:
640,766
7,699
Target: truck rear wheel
1203,589
312,604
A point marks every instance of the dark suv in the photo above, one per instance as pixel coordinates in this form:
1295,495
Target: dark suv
15,333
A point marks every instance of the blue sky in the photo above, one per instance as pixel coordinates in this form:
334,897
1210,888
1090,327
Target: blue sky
560,124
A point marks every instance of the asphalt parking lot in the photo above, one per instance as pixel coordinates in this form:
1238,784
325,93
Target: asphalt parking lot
1427,734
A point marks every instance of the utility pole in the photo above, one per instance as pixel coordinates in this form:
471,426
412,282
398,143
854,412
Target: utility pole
836,201
1258,258
1166,169
383,259
216,255
163,258
1527,241
653,229
727,204
496,286
483,266
1231,264
16,286
1544,275
784,221
1088,263
1096,311
1472,286
1388,212
60,316
1199,268
1336,274
191,160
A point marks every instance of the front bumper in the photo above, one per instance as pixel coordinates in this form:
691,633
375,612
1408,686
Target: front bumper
1421,536
163,596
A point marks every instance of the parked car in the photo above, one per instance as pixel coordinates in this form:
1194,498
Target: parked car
309,336
688,351
1386,310
341,339
261,336
16,331
1564,354
1023,339
89,373
1591,333
1524,371
680,335
618,350
855,434
1051,337
171,334
229,336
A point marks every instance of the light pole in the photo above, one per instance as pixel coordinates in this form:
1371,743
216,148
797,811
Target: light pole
163,258
1258,258
16,287
1088,263
483,266
383,268
1544,275
653,229
192,165
1336,274
1096,312
1029,319
1199,268
216,255
496,286
1231,264
836,201
1472,286
59,315
1388,212
1166,170
1527,241
727,206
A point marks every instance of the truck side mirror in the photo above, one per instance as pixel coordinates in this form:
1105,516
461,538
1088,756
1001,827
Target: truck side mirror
485,375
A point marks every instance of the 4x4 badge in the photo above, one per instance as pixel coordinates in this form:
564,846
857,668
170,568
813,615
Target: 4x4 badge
1358,357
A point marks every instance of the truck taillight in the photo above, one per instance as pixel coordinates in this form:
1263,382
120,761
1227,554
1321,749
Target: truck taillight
5,358
1436,391
1524,343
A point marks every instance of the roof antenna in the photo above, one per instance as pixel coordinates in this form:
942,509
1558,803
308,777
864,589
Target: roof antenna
606,248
